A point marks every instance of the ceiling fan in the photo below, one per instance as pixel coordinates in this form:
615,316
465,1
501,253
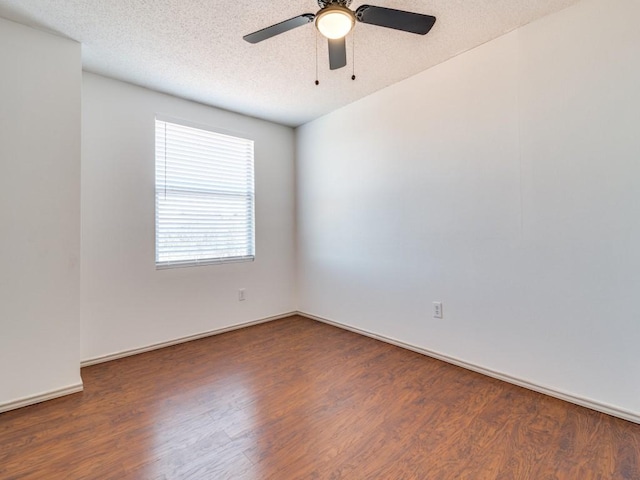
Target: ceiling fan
335,20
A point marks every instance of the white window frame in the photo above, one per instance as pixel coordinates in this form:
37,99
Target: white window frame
214,213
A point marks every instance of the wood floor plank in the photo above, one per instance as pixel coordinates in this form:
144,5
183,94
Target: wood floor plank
297,399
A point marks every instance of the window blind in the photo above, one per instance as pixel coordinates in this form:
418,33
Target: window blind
204,196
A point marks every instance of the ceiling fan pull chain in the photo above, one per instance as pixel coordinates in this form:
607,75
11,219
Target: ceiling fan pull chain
317,81
353,54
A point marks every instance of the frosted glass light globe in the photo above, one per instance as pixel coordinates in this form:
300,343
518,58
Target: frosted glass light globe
335,21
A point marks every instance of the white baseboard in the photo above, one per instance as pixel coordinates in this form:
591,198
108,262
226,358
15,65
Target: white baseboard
41,397
169,343
552,392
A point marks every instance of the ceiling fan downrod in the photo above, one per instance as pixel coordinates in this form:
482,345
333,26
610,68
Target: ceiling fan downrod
342,3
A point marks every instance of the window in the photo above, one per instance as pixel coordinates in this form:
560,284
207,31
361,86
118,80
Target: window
204,196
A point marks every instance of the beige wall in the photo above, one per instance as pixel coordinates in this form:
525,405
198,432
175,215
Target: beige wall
127,303
504,183
39,214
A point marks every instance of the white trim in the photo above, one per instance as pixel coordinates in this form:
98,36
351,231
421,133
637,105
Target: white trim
552,392
41,397
176,341
203,263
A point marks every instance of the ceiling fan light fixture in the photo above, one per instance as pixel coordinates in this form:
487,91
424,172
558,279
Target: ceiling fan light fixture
335,21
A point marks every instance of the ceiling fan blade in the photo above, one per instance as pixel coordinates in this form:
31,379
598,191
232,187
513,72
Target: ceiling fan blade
337,53
396,19
279,28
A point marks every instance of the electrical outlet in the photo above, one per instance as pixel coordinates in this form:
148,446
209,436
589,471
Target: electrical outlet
241,295
437,309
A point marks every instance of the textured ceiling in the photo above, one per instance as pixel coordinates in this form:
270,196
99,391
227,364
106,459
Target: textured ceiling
194,48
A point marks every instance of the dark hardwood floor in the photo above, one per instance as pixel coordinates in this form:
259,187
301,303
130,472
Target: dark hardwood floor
296,399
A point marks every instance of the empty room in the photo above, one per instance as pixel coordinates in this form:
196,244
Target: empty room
320,239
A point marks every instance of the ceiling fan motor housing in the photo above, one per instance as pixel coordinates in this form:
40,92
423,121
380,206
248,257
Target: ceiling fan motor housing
342,3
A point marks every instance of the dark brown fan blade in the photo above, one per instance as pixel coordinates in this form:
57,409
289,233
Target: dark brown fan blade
397,19
279,28
337,53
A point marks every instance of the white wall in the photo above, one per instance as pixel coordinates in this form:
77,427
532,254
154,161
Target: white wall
504,183
39,213
127,303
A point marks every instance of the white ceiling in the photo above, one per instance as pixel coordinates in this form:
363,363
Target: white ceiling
194,48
